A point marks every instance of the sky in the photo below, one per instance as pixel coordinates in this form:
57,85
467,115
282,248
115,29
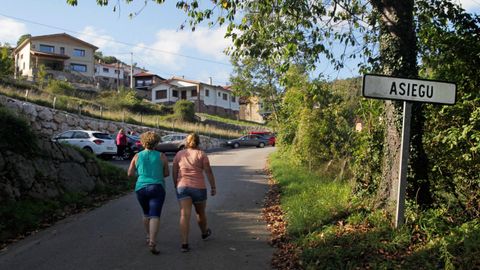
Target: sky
153,35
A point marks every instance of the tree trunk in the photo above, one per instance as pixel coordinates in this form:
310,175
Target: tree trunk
398,52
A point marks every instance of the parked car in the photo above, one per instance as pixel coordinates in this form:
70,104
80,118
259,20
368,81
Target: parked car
96,142
171,143
133,146
270,136
248,140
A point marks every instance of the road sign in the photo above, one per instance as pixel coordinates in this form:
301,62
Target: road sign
396,88
407,90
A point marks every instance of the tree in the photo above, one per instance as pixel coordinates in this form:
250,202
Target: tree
22,38
450,45
6,61
254,77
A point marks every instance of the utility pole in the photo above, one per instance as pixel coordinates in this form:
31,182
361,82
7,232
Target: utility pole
118,76
131,70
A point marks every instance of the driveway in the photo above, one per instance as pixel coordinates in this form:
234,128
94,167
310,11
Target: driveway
112,237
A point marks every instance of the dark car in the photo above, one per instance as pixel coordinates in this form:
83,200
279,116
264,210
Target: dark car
270,136
171,143
133,146
248,140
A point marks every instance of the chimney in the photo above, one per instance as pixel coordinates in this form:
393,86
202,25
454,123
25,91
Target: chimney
210,80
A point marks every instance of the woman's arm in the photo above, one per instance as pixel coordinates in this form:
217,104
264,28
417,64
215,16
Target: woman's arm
132,168
175,168
210,176
166,171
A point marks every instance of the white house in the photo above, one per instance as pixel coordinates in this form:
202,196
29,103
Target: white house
109,75
208,98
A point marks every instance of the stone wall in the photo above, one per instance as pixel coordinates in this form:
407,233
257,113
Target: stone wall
47,122
52,171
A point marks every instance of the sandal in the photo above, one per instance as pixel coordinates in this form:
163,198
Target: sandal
185,248
207,234
152,247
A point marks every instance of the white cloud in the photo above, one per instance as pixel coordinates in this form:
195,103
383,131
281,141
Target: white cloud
11,30
171,52
97,37
176,49
469,4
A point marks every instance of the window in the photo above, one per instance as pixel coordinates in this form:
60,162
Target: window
78,67
161,94
117,71
175,93
144,82
78,52
225,96
106,70
62,50
194,93
219,94
233,99
47,48
207,92
21,56
96,70
65,135
80,135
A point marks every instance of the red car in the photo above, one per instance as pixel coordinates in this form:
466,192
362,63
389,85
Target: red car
266,134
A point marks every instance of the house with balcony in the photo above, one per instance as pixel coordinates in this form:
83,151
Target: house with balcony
208,98
64,57
143,83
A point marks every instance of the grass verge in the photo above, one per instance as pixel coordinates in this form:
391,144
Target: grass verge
335,230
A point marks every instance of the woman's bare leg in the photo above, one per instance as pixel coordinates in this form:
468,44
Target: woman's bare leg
185,212
201,216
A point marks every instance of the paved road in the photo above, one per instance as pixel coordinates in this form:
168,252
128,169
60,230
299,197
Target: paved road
111,237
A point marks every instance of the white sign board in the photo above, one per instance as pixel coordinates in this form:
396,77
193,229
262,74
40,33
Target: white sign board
385,87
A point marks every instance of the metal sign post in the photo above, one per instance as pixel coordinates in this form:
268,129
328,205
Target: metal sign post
402,174
407,90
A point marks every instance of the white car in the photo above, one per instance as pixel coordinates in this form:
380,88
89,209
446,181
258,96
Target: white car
99,143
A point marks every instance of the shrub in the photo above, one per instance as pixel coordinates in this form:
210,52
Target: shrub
60,88
15,133
184,110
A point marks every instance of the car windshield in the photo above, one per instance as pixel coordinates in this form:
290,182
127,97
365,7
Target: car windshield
135,138
103,136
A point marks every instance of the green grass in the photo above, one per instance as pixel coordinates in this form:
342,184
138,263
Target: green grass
310,200
336,230
231,121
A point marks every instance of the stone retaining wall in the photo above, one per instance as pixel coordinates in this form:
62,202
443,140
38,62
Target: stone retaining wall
48,173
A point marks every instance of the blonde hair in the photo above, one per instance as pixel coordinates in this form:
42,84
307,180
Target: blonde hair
149,139
193,140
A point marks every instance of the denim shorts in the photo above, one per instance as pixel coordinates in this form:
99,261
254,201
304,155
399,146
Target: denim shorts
151,199
197,195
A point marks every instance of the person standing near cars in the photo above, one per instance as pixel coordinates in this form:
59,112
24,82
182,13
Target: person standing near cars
121,142
151,168
188,178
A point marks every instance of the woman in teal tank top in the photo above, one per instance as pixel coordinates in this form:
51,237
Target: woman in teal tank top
151,168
